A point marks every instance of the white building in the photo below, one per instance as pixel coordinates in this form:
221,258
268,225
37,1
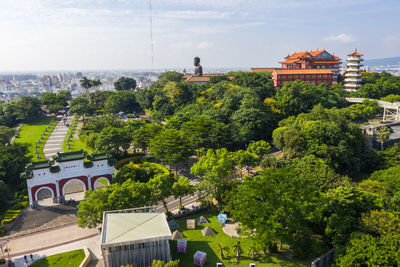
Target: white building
352,76
135,236
64,168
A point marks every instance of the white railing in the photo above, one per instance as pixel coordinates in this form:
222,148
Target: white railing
381,103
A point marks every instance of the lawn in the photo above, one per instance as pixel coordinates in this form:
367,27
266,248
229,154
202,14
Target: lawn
209,244
68,259
30,133
75,143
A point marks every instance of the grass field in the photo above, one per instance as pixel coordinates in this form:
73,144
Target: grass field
30,133
68,259
209,244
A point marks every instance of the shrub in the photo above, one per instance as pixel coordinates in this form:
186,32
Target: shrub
87,164
54,169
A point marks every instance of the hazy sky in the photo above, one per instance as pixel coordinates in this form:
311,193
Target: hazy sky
105,34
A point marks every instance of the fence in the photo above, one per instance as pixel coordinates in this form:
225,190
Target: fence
325,260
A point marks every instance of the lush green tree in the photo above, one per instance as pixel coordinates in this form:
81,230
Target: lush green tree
237,249
260,148
383,135
5,134
12,163
161,187
125,83
27,108
89,83
81,107
277,203
113,139
170,145
169,76
181,188
391,98
345,205
261,82
215,167
122,101
48,98
222,249
243,158
143,135
3,192
367,250
139,172
113,197
380,222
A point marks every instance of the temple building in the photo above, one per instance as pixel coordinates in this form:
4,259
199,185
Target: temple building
318,59
314,76
352,76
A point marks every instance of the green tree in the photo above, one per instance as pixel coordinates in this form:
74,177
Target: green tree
237,249
222,249
113,139
244,159
215,167
170,146
161,187
181,188
125,83
28,108
5,134
383,135
113,197
277,203
143,135
3,192
260,148
380,222
139,172
88,83
122,101
81,107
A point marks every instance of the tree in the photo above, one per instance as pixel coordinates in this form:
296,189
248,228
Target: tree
277,203
139,172
113,139
380,223
222,249
237,249
28,108
125,83
5,134
3,192
367,250
260,148
87,84
181,188
161,187
170,145
383,135
215,166
244,159
122,101
143,135
253,251
81,107
129,194
12,162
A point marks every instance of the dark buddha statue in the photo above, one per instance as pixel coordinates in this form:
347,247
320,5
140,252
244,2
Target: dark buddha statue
198,69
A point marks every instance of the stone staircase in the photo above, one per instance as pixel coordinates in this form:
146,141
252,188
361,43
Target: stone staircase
56,139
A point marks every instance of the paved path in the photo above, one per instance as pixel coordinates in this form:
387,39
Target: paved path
15,132
56,139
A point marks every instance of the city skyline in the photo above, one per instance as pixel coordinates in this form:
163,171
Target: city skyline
42,35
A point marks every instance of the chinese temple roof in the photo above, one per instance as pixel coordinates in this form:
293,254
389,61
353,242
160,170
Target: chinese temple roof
75,155
355,54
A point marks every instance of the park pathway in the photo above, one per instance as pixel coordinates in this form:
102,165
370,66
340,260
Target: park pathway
56,139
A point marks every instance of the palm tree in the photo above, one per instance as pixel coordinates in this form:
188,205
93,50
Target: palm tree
383,135
252,252
86,84
238,250
96,83
222,249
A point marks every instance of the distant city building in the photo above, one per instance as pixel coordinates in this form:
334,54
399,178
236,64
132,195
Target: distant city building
318,59
352,76
314,76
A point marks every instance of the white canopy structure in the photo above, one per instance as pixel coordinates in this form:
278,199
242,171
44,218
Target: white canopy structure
134,238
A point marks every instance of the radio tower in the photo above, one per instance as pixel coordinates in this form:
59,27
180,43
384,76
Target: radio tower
151,38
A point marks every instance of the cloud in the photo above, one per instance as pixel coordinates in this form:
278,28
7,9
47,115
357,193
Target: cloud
205,45
343,38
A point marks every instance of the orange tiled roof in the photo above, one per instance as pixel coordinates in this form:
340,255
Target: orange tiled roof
263,69
303,71
355,54
298,55
198,79
326,61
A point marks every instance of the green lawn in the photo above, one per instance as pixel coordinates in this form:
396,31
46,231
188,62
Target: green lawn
209,244
75,143
68,259
30,133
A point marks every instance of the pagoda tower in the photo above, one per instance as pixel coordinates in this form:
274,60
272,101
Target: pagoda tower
352,76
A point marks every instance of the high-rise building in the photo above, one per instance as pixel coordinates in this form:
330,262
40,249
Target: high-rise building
352,76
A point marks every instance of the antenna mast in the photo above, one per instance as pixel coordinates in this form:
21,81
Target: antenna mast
151,38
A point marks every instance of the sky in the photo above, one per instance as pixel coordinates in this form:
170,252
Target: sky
43,35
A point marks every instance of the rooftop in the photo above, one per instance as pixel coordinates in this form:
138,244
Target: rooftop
60,157
39,164
99,156
133,227
355,54
303,71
